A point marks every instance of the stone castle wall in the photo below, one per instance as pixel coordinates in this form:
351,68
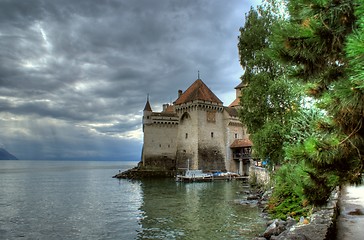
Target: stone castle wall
211,145
160,145
187,139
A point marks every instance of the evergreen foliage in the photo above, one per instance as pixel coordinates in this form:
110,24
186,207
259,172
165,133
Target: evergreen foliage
268,98
304,96
288,197
313,43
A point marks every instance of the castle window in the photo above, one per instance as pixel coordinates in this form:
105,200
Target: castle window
169,146
186,135
212,134
236,135
160,145
147,117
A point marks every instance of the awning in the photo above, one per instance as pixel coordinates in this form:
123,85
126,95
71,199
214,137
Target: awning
240,143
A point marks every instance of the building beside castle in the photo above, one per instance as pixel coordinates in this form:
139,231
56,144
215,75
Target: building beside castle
197,132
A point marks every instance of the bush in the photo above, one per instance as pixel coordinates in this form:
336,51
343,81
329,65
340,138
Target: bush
289,197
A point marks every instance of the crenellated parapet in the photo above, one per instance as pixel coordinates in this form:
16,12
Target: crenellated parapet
162,118
198,105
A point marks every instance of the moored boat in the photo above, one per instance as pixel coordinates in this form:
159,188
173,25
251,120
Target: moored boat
194,176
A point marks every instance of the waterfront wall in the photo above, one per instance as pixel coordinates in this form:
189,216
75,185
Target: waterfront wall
259,175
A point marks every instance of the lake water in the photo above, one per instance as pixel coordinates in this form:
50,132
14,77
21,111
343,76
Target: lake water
80,200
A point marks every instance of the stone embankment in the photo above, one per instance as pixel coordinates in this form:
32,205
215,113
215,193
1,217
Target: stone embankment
140,173
319,226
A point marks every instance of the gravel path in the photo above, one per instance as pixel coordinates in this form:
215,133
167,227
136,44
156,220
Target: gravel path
350,224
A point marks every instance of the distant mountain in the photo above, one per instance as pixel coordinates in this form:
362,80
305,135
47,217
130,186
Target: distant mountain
5,155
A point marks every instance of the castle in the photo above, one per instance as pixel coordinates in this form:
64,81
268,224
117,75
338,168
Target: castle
196,132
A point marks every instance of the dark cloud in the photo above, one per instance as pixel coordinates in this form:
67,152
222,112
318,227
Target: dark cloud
74,75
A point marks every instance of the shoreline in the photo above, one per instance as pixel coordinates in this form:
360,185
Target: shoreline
139,173
321,225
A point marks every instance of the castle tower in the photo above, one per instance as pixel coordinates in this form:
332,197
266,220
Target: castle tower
236,102
159,141
147,113
201,128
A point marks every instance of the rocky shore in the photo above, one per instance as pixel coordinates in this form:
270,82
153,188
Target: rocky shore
319,226
140,173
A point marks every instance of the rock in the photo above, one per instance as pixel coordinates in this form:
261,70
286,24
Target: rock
286,236
138,173
276,228
253,197
356,212
266,195
270,222
319,226
290,222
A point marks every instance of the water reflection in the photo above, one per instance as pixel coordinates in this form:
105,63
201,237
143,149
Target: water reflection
195,211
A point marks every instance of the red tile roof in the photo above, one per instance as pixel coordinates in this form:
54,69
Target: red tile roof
241,85
198,91
239,143
231,111
235,103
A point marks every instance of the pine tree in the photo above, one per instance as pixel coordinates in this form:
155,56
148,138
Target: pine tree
313,42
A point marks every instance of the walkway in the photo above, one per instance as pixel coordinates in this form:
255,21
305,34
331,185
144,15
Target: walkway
350,224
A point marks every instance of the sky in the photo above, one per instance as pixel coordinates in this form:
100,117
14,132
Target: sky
75,75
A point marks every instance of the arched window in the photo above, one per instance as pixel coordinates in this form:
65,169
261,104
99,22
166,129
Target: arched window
185,117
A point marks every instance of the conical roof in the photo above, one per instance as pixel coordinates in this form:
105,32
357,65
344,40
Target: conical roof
198,91
147,106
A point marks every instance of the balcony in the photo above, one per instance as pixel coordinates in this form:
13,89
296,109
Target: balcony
239,156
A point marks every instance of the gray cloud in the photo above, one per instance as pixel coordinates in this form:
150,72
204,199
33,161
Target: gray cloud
74,75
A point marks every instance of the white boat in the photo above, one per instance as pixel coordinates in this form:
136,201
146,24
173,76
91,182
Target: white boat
194,176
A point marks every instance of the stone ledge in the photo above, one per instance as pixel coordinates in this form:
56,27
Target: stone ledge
320,227
137,173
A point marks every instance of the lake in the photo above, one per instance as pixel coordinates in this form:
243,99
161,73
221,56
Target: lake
81,200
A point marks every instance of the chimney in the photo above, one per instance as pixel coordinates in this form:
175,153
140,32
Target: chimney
179,93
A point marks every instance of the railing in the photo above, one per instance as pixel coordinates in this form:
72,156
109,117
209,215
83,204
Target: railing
241,155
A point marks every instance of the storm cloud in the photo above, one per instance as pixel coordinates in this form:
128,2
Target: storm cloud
74,75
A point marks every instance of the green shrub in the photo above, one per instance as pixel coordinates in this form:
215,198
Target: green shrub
289,197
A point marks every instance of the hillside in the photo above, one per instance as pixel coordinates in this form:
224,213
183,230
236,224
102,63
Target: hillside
5,155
